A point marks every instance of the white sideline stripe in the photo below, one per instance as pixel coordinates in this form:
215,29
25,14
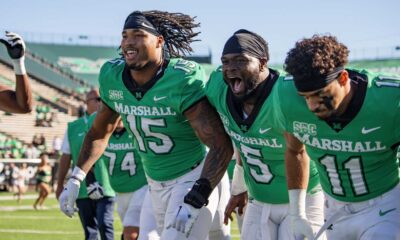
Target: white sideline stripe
28,196
38,231
24,207
32,217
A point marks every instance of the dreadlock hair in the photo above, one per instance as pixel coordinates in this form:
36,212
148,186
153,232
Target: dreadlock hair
314,57
177,30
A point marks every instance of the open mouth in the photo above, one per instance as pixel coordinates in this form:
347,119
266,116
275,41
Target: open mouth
130,54
237,85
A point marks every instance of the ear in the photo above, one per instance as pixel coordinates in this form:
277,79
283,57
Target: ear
160,41
263,64
344,78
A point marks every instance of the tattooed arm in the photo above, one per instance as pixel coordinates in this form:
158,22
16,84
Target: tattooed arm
97,138
209,129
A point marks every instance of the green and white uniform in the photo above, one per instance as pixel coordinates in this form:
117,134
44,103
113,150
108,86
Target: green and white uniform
154,112
76,133
355,153
163,137
127,178
123,163
262,149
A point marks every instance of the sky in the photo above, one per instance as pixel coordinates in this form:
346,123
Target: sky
369,28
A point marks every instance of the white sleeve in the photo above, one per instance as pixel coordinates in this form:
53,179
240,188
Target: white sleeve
65,145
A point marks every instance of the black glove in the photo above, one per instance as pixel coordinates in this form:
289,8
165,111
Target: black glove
198,195
15,45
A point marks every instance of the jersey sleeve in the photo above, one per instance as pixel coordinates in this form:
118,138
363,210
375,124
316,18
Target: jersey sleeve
212,88
194,90
279,121
397,129
109,73
102,77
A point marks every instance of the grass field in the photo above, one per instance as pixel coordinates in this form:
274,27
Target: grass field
21,221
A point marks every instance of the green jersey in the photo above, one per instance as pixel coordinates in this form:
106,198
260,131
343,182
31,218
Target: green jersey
76,133
154,114
261,146
124,166
356,152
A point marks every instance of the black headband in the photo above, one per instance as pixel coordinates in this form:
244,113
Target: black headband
308,85
244,41
137,20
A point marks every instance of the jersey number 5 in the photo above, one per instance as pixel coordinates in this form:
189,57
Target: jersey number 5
252,157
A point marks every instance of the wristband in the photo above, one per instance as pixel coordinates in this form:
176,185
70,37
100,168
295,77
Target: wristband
19,66
78,174
198,195
297,202
238,184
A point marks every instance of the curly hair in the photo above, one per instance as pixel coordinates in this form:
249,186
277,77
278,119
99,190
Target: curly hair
315,57
177,30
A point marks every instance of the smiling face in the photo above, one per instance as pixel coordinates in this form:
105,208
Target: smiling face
241,72
140,48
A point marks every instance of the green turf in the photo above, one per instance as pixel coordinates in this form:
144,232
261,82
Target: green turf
21,221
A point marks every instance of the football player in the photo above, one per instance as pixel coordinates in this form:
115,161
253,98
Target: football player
94,198
242,91
126,174
162,102
349,122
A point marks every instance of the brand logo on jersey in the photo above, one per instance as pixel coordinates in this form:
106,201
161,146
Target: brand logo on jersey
156,99
383,213
340,145
366,131
305,128
262,131
115,95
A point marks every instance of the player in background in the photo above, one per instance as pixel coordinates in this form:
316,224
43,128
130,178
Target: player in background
127,178
242,91
348,121
20,100
95,198
161,100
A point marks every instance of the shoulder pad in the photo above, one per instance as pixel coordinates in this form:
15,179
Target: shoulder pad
116,61
387,81
288,78
185,65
